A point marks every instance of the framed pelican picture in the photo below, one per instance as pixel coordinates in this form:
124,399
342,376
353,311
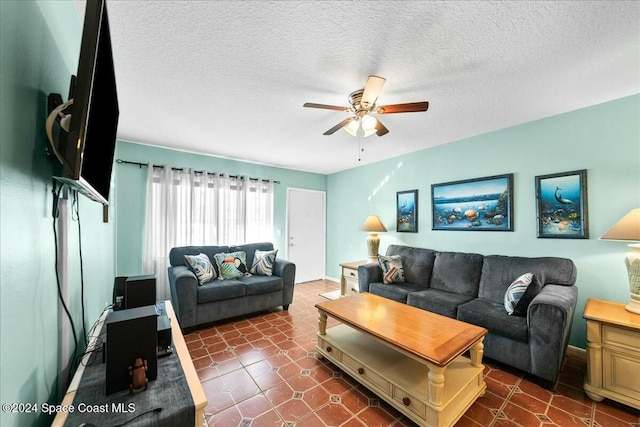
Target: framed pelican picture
480,204
407,211
562,205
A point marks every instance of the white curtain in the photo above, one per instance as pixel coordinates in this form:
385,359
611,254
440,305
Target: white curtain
186,207
259,208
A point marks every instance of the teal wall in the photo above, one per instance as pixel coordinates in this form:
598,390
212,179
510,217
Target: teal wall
130,193
39,47
603,139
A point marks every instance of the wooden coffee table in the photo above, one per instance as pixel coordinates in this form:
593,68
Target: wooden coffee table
409,357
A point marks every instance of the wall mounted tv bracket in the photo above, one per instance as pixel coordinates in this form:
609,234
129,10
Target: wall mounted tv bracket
58,112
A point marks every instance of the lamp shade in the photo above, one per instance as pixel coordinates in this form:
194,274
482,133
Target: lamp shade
627,229
373,224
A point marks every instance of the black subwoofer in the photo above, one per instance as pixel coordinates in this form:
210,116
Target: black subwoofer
131,334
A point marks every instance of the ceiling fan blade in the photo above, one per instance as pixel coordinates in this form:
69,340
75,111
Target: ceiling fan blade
410,107
325,107
372,90
339,126
380,128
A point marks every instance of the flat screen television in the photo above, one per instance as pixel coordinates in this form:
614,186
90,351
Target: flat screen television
88,148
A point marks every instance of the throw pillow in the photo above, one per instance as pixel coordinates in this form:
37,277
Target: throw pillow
515,291
392,271
201,266
232,265
263,262
533,289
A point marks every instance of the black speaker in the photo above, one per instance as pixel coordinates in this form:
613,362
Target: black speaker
164,335
118,292
131,334
140,291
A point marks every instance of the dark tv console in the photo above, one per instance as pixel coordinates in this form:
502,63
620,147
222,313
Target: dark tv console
180,351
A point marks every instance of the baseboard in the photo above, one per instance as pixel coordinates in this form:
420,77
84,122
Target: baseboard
577,352
331,279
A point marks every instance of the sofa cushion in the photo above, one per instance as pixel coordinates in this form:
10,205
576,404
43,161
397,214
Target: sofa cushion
397,292
515,291
231,265
392,271
220,290
202,267
263,262
498,272
492,315
256,285
457,272
436,301
416,262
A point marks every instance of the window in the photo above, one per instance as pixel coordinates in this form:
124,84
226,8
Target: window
185,207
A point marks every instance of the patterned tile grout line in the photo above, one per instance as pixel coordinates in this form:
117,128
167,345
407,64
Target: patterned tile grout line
275,409
506,400
592,421
261,392
295,423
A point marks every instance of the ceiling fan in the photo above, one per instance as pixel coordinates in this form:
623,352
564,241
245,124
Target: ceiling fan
363,105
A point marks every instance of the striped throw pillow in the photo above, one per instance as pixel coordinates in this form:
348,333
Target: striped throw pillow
263,262
515,291
392,271
201,266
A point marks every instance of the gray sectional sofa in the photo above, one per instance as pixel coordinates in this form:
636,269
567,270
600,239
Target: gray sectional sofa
471,287
221,299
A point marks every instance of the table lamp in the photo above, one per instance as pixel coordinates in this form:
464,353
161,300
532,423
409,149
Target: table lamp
373,226
628,229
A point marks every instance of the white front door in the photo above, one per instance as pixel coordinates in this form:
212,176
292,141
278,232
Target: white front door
306,233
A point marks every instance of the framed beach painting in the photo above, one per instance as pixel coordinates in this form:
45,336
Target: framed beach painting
481,204
407,211
562,205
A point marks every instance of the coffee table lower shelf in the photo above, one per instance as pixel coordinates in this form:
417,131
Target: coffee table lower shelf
400,379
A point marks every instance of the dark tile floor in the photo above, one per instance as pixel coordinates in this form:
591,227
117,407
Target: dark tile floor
262,371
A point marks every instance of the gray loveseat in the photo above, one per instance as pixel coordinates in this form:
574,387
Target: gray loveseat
471,288
221,299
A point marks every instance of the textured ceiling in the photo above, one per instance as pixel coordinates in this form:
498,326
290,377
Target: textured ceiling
228,78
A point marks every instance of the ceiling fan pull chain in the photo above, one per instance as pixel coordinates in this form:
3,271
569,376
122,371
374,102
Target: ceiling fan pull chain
360,147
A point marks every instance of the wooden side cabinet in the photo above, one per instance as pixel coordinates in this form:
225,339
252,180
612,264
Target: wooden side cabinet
349,277
613,353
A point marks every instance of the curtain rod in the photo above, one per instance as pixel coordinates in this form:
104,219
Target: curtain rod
181,169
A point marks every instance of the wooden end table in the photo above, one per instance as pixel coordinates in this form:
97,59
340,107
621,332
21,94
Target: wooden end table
613,353
349,278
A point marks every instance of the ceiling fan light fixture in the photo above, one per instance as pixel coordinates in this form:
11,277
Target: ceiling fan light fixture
369,123
352,128
369,132
362,105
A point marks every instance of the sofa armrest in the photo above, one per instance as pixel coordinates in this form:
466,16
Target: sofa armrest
367,274
184,294
549,317
287,271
